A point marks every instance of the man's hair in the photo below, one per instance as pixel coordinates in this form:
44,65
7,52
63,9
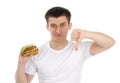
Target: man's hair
57,12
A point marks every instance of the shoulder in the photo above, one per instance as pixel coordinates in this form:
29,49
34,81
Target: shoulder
42,46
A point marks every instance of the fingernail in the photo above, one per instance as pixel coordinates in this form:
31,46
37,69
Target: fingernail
76,49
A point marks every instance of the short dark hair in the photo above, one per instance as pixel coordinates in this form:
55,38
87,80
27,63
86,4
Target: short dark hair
57,12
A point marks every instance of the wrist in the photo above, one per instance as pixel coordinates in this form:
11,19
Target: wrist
87,34
21,63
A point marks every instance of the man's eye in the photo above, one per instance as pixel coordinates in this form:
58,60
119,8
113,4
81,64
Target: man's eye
53,26
62,25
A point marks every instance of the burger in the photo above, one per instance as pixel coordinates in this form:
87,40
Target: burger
30,49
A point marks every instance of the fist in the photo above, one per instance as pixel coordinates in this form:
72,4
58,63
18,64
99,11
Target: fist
77,35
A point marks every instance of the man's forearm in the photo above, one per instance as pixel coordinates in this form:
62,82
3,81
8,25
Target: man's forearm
20,74
100,39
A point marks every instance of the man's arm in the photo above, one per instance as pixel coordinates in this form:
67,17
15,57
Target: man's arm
101,43
20,75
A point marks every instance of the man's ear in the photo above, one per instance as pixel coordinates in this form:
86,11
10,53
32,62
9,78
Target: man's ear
70,25
47,26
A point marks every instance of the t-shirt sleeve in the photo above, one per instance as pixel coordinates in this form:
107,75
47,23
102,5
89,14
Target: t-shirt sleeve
86,49
30,67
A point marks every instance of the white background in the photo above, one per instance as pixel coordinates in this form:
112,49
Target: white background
22,22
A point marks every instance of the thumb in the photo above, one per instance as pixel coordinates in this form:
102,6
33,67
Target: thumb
77,44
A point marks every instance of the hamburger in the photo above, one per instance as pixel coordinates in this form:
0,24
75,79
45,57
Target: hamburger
30,49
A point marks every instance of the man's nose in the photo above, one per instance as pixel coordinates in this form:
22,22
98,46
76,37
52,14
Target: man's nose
58,30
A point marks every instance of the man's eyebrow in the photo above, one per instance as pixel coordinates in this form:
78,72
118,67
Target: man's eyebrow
52,24
63,23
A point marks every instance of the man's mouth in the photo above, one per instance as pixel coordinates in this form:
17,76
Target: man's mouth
58,35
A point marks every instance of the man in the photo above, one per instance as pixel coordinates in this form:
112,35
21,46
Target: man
60,60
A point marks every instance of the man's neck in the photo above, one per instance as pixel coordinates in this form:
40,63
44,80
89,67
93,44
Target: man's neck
58,45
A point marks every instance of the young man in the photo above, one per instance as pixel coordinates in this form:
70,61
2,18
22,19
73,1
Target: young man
60,60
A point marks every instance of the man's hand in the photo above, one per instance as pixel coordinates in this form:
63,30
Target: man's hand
20,75
23,59
77,36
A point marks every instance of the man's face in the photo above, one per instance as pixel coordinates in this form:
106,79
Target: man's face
58,27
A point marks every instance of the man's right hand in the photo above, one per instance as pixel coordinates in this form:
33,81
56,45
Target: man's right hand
21,76
22,59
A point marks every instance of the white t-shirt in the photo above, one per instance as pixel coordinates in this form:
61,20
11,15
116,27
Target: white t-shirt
62,66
